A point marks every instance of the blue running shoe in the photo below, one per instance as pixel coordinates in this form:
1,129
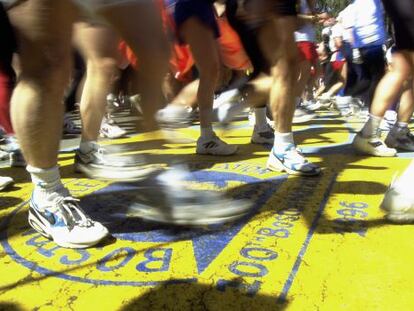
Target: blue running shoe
292,161
62,220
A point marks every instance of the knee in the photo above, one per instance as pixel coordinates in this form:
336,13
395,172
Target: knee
106,68
50,64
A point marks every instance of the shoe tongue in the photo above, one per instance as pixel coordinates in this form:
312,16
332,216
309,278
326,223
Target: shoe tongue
57,194
295,154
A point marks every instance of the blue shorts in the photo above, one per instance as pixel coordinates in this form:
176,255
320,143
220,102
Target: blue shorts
201,9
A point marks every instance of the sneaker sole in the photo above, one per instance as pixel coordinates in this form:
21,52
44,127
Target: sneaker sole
189,222
360,148
38,228
279,167
103,135
400,218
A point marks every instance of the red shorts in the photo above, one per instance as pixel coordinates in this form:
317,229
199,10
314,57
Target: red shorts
307,51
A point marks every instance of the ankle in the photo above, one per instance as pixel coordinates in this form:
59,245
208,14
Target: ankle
207,132
87,146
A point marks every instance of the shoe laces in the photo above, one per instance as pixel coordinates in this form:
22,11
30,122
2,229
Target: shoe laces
295,154
71,213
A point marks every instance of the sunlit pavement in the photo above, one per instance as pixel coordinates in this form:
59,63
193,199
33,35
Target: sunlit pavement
309,243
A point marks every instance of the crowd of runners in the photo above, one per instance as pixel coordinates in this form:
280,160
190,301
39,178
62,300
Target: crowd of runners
179,61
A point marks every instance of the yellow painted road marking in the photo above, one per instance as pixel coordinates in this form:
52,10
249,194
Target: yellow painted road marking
312,243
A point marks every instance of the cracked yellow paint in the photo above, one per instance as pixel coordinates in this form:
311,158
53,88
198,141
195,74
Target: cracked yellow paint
298,251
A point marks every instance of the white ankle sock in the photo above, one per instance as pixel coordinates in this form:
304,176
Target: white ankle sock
87,146
260,117
45,180
282,140
370,129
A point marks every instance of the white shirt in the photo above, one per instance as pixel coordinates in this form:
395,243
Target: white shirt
369,28
346,19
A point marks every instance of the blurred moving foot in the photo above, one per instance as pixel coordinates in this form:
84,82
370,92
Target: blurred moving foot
100,164
168,200
110,129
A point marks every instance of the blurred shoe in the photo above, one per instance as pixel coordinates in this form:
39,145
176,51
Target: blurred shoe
312,105
373,146
263,135
214,146
229,96
398,202
69,127
12,147
5,182
168,200
292,161
302,115
228,105
174,116
135,101
17,159
99,164
110,129
227,112
403,140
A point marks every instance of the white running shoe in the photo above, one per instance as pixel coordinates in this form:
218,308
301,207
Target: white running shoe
292,161
227,112
110,129
373,146
229,96
214,146
100,164
302,115
12,148
60,219
263,135
5,181
398,203
403,140
174,116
